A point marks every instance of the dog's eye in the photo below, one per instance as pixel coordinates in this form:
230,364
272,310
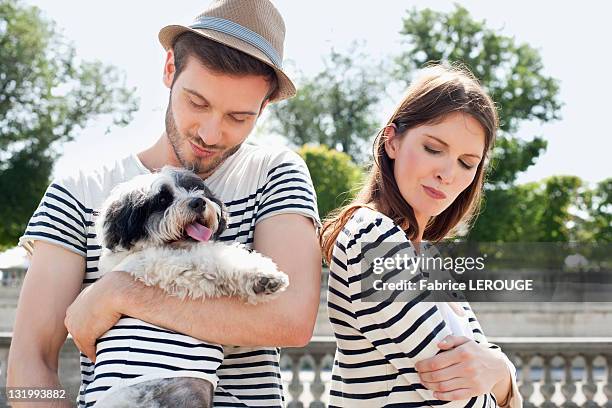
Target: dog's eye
164,199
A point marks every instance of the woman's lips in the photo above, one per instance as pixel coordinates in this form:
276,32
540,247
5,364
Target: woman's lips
433,193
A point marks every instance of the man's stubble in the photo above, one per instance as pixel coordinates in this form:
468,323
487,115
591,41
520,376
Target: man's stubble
179,143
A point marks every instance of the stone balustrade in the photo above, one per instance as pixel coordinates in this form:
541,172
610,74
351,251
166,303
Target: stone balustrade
552,371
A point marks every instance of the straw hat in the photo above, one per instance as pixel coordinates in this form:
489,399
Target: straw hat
254,27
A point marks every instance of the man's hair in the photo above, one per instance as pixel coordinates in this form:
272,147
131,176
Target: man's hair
220,59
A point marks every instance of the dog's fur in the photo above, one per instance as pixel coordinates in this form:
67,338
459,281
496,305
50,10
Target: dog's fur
142,227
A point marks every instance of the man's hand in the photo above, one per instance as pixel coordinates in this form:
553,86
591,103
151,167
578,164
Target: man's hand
95,311
463,370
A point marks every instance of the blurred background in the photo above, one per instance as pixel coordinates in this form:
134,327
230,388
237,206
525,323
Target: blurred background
80,86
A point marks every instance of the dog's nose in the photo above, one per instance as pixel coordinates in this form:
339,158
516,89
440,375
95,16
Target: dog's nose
197,204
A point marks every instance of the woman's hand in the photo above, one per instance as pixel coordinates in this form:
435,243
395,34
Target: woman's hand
465,369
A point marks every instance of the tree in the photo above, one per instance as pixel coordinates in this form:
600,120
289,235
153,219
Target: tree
519,221
597,226
46,96
335,107
334,175
560,194
557,209
511,73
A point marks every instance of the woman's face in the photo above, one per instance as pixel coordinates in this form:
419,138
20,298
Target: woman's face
435,163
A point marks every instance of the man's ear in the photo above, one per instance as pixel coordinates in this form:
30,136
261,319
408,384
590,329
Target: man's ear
391,141
169,69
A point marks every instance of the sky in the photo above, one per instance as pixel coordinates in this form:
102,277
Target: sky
572,38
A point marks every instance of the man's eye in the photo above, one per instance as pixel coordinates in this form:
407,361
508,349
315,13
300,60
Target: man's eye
196,105
238,120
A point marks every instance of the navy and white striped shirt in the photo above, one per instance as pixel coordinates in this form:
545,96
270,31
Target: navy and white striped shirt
255,183
379,342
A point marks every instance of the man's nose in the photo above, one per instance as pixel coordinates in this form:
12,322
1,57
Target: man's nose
210,131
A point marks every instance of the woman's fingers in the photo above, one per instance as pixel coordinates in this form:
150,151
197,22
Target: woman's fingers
448,385
443,374
458,352
451,341
455,395
458,388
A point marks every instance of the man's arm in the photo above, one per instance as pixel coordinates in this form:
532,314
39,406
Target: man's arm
289,239
52,282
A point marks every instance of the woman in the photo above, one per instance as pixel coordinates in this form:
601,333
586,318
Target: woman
430,162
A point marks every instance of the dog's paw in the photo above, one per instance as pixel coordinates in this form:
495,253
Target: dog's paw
264,285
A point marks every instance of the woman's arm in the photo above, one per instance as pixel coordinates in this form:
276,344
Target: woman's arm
401,324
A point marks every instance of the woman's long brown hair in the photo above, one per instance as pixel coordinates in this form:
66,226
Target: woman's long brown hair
438,92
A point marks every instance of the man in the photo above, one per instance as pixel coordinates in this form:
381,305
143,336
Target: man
222,71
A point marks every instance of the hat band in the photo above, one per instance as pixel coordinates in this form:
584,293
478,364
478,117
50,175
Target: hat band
242,33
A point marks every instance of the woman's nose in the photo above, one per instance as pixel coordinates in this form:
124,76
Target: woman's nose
446,172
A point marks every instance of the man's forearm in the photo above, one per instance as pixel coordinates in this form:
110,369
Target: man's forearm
221,320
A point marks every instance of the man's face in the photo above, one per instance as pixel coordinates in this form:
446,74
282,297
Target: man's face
209,115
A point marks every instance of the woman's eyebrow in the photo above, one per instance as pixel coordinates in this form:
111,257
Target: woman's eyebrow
439,140
446,144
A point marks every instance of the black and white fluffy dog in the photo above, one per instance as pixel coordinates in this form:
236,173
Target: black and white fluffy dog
161,228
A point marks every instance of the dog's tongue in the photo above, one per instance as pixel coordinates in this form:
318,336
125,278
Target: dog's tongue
198,232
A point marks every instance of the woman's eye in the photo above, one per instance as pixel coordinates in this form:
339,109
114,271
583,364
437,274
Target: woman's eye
430,150
465,165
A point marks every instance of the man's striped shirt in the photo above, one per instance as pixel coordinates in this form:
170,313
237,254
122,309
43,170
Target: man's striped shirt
255,183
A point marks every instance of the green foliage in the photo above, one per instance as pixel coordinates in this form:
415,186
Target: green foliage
511,73
336,178
558,209
335,107
597,227
46,95
560,194
518,221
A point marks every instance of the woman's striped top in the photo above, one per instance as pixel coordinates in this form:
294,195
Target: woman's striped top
380,339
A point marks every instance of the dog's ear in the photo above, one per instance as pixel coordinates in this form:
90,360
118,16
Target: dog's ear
221,214
221,217
124,221
222,223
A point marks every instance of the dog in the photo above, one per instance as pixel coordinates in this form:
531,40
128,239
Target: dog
161,228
